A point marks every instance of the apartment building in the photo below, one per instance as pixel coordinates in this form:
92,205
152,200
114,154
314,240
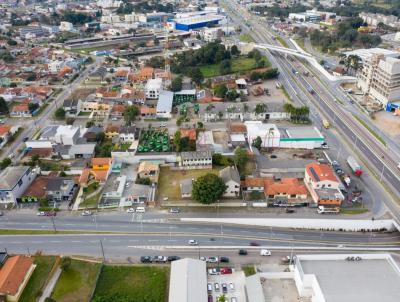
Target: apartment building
374,19
380,79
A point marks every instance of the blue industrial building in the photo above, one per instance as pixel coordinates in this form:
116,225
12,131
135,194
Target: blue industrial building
197,22
391,107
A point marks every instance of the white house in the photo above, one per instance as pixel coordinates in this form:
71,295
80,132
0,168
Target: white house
231,178
269,133
164,104
13,182
196,159
127,134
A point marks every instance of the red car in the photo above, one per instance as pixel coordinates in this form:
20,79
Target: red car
254,243
225,271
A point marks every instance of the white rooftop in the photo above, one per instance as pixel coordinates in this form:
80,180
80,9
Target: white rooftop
154,84
365,54
257,128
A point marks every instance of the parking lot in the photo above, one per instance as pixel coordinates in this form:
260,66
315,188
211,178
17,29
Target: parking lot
234,282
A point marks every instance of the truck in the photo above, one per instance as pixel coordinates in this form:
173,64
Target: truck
325,210
355,167
326,124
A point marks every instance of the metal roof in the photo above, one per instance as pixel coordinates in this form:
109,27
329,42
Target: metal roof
165,99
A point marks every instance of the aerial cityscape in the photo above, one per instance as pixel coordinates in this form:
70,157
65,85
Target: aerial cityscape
200,151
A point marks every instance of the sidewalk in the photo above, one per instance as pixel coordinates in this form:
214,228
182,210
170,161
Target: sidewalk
50,286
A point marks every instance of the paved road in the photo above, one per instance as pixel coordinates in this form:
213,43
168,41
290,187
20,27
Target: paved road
31,127
371,150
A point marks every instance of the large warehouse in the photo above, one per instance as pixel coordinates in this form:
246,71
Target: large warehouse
197,22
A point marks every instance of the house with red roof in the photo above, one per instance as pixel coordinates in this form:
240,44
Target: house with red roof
323,185
289,190
14,275
21,110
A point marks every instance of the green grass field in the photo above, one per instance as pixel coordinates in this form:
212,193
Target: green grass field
127,283
77,283
90,202
246,38
35,284
169,181
240,64
380,139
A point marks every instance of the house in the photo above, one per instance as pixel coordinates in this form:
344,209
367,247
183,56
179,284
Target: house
21,110
186,186
98,75
288,190
13,182
117,110
148,112
91,133
60,189
4,134
195,159
323,185
112,131
149,170
98,108
191,134
140,194
61,134
253,184
231,178
144,74
121,75
164,104
36,190
128,134
14,275
153,88
77,151
101,168
72,107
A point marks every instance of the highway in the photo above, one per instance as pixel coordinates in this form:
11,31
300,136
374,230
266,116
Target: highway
372,152
47,115
126,235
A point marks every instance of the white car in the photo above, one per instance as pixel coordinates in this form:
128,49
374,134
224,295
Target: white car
193,242
202,258
130,210
86,213
40,214
140,210
265,253
212,259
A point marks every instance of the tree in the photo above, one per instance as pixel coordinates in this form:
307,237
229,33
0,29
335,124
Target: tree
196,75
220,91
225,67
143,181
59,113
177,141
3,107
257,142
5,163
208,188
221,298
12,42
65,263
232,95
260,108
176,84
200,125
241,158
100,137
130,114
235,50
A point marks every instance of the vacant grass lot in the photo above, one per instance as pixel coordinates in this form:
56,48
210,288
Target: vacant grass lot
35,284
169,181
240,64
246,38
137,283
77,283
91,202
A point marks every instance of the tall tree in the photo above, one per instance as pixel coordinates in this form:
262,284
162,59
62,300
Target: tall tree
3,107
208,188
241,158
130,114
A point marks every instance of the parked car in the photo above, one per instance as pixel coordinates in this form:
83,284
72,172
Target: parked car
213,271
86,213
175,210
160,259
216,286
254,243
233,299
209,287
224,259
289,210
130,210
224,288
51,213
265,253
193,242
232,286
225,271
210,298
41,214
173,258
202,258
243,252
140,210
212,259
145,259
1,213
25,139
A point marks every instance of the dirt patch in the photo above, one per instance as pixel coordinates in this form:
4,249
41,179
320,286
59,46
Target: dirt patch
388,123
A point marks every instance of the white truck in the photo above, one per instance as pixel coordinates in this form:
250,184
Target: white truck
324,210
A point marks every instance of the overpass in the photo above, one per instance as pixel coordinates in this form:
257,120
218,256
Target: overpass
299,52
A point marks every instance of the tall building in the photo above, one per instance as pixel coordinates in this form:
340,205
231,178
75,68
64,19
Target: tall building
380,79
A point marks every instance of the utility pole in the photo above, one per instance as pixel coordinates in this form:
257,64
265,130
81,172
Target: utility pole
102,251
54,225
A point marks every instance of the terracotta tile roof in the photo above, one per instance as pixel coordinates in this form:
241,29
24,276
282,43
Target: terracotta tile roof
113,128
109,94
100,175
83,179
4,129
146,72
290,186
101,161
118,108
63,71
148,110
20,108
121,73
13,272
42,152
38,187
320,172
190,133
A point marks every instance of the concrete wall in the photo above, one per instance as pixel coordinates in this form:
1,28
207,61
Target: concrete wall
331,224
132,158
